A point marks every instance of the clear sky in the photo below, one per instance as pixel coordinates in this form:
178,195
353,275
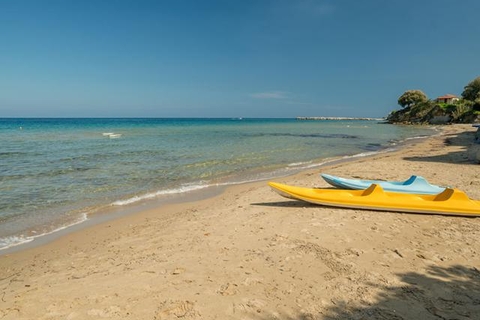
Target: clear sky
231,58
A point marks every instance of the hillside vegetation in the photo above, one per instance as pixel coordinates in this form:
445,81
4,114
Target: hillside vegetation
418,109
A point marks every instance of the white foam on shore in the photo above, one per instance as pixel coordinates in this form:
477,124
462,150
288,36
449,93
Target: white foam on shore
361,155
417,137
152,195
13,241
354,156
299,164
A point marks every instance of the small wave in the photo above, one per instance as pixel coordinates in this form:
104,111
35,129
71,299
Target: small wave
353,156
299,164
112,135
13,241
148,196
310,164
417,137
371,153
360,155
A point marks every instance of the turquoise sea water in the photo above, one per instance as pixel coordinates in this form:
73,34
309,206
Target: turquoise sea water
55,172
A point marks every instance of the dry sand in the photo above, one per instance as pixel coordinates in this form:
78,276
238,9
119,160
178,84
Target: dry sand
251,254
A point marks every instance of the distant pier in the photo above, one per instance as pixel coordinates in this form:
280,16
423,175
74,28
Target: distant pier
339,118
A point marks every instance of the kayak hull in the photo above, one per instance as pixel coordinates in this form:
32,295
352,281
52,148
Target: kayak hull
449,202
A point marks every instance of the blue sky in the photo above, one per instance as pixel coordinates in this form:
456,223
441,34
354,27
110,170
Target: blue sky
243,58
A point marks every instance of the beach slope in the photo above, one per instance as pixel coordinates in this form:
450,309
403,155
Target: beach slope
251,254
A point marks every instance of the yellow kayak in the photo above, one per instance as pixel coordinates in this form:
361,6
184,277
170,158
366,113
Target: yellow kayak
449,202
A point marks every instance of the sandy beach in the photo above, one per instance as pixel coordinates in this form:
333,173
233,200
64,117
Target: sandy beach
250,254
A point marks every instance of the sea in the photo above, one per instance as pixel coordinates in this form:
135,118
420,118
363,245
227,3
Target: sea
57,173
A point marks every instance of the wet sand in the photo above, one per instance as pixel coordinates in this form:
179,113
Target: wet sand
250,254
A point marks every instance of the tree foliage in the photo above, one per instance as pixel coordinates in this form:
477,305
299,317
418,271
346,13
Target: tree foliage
471,91
417,108
412,97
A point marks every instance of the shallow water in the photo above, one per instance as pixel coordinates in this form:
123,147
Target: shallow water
54,172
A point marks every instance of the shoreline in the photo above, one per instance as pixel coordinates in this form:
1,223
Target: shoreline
149,200
247,252
111,213
75,186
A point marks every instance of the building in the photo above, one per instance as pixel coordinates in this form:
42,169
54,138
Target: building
448,98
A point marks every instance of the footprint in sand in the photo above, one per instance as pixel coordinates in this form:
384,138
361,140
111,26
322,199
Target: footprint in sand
228,289
176,309
250,306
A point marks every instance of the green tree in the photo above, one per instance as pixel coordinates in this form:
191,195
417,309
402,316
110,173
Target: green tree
471,91
411,97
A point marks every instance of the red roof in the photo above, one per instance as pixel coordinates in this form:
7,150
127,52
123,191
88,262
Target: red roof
447,96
